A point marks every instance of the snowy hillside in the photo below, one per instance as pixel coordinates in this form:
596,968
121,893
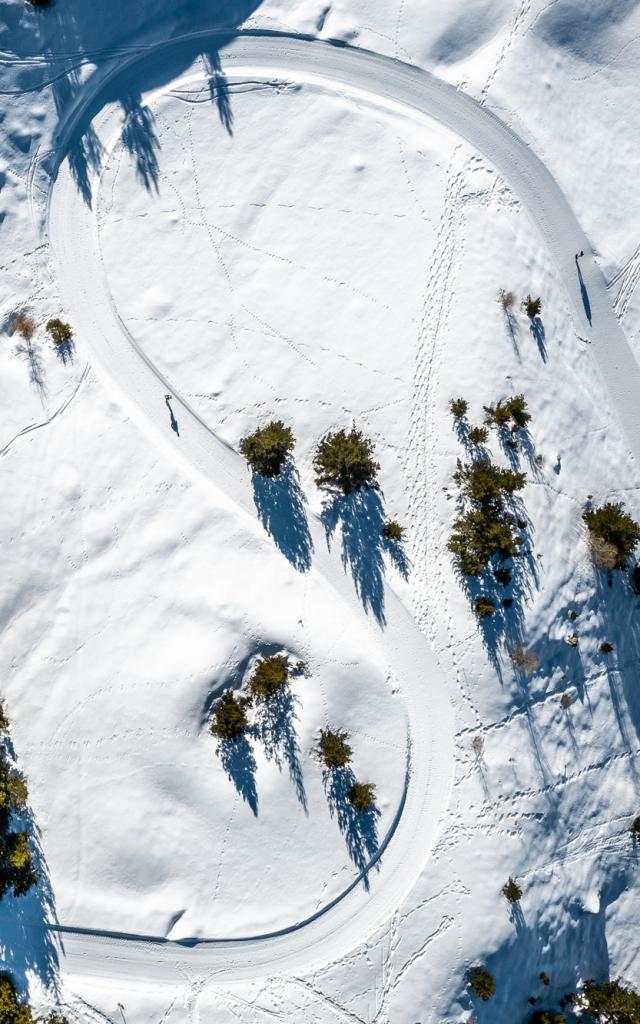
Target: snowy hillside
329,217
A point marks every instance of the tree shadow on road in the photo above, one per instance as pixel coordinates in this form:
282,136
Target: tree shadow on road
361,520
280,503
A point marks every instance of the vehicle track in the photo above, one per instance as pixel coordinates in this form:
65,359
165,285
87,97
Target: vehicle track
347,921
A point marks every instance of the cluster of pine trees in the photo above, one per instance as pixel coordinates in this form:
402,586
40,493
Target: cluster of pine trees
17,871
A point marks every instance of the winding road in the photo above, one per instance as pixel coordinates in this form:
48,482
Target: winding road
73,235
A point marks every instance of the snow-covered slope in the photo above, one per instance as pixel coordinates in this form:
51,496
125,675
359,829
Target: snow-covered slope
340,234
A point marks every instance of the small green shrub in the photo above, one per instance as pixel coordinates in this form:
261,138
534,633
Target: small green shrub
606,647
345,461
362,796
229,717
484,607
4,720
459,407
482,983
478,435
507,411
544,978
393,531
61,333
478,535
334,750
269,676
484,484
512,891
547,1017
613,525
532,307
267,449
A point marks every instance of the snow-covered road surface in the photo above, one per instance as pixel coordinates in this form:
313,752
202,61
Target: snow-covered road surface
86,297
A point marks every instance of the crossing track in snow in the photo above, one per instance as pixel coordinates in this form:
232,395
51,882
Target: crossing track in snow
72,227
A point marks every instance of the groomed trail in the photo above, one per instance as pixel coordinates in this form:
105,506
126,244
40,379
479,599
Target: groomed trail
73,234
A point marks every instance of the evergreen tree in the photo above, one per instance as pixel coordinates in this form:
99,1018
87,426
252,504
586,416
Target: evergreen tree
458,408
482,983
345,461
484,607
485,484
547,1017
612,524
61,333
269,676
478,535
393,531
512,891
267,449
478,435
12,1011
362,796
229,717
532,307
611,1003
334,750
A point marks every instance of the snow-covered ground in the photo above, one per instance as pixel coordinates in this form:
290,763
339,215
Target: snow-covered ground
300,249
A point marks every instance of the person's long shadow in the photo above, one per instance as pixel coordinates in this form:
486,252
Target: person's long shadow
280,504
275,729
239,763
360,518
359,828
584,293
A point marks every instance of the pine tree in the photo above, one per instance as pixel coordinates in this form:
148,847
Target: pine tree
11,1011
532,307
267,449
269,676
393,531
611,1003
334,750
482,983
362,796
613,525
61,333
512,891
484,607
345,461
229,717
458,407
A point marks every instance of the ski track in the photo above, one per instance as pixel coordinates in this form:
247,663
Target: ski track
340,927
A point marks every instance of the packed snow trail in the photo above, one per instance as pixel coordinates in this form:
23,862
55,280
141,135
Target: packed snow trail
335,929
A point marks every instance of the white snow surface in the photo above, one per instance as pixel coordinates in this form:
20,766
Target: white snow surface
299,240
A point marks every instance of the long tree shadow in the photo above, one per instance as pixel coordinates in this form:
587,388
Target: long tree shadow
31,354
280,504
537,330
275,729
360,829
360,518
219,89
140,139
239,763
